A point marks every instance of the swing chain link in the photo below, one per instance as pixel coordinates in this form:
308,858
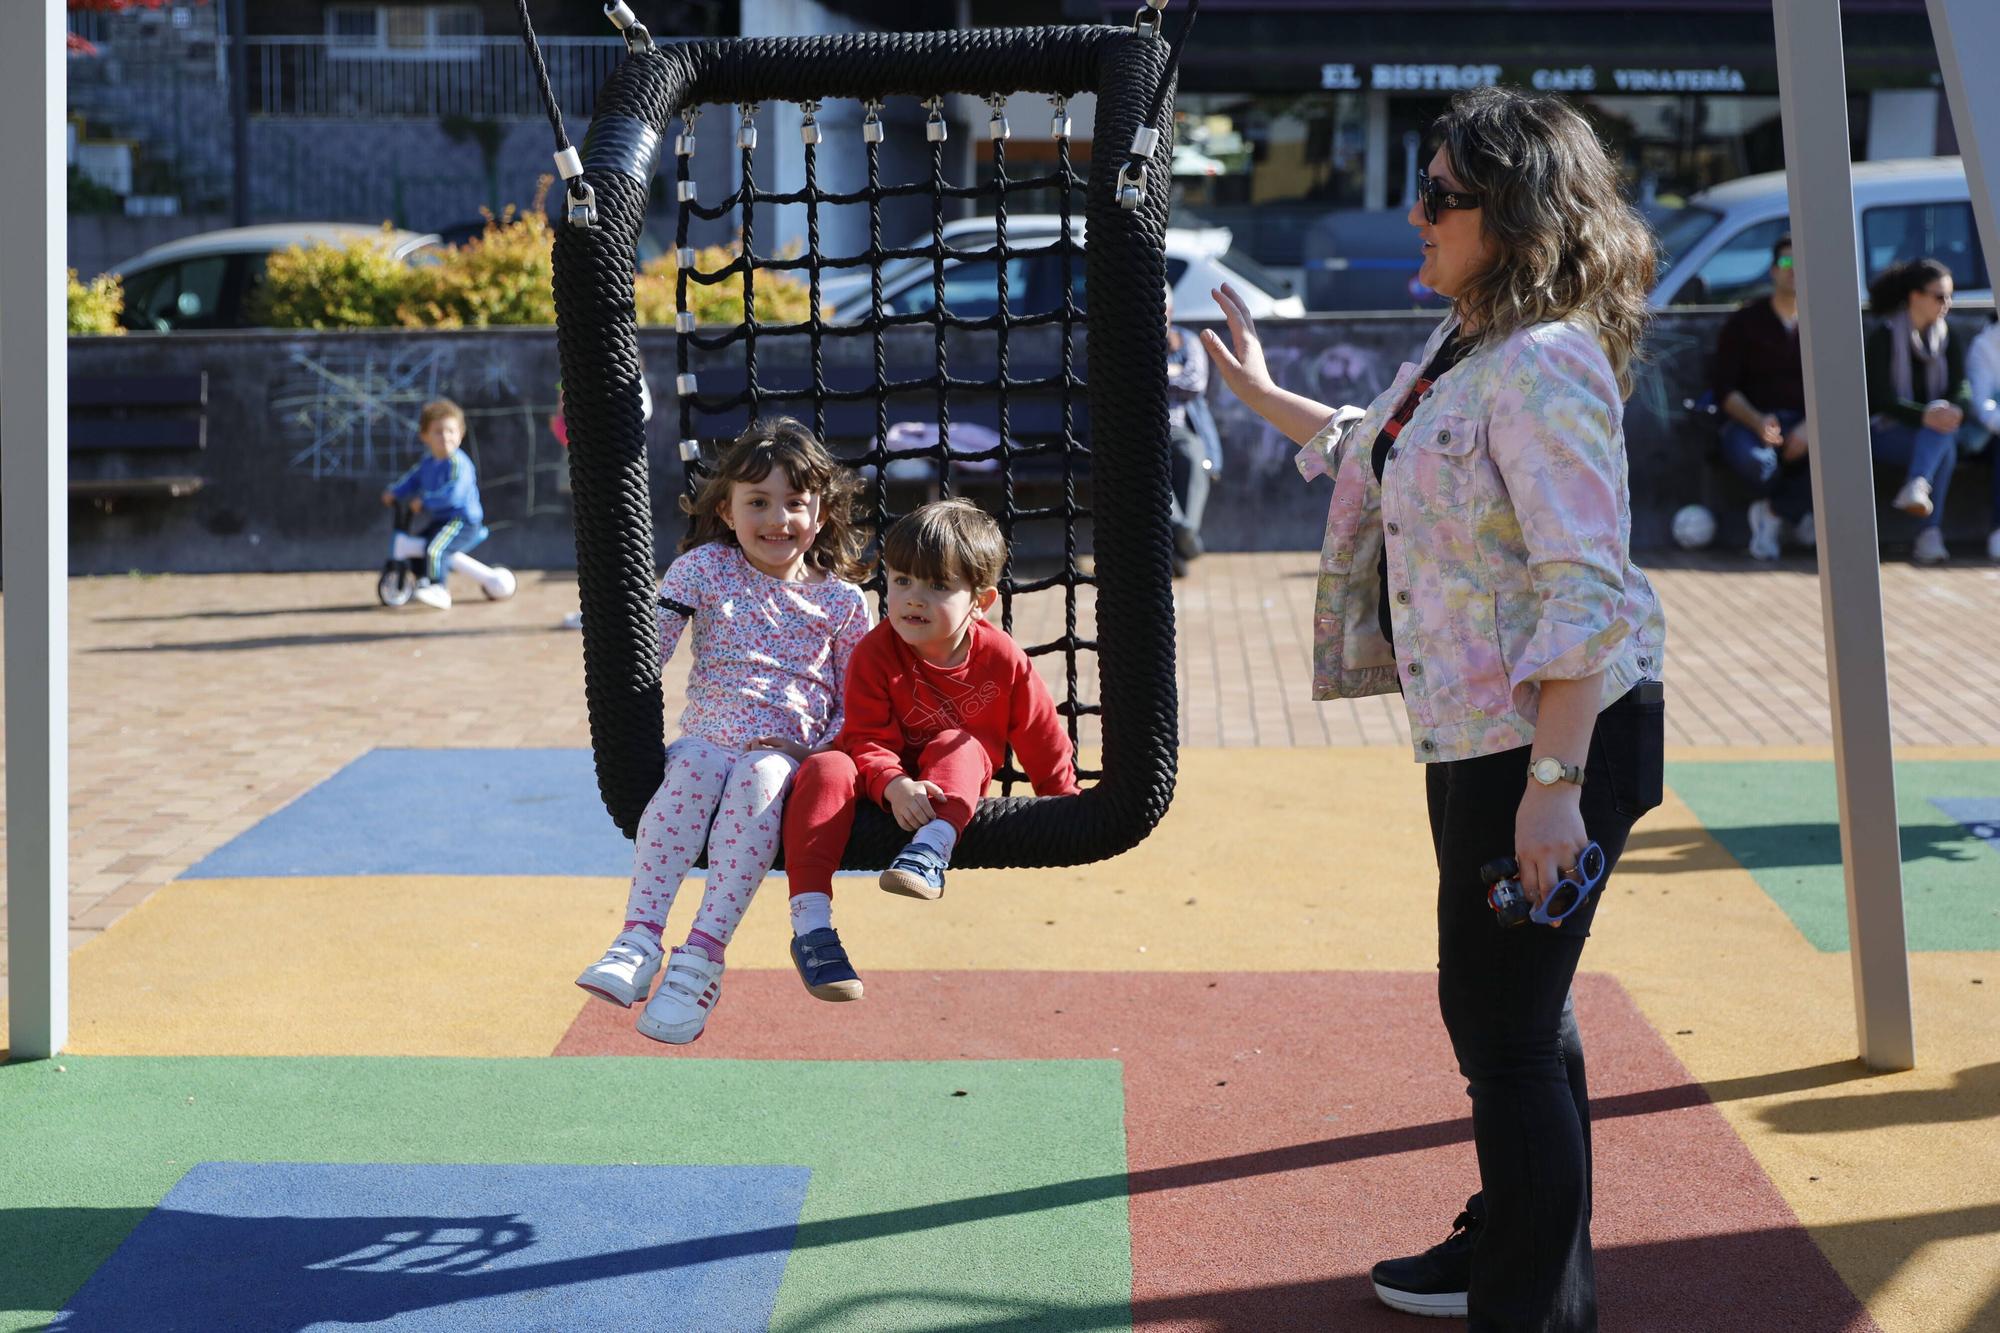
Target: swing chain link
809,131
935,128
996,125
582,205
1149,19
871,123
637,39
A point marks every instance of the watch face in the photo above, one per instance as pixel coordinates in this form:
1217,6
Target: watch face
1548,771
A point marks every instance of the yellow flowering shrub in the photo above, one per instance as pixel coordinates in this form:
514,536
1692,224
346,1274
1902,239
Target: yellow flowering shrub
94,307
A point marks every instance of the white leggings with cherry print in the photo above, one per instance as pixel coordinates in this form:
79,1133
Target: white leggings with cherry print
732,801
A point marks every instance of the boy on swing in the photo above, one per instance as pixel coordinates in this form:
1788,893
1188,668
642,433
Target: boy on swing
935,695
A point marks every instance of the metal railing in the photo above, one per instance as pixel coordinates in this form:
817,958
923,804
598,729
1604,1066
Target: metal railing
481,78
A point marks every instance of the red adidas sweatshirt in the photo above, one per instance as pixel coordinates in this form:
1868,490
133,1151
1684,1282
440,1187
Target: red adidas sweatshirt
897,702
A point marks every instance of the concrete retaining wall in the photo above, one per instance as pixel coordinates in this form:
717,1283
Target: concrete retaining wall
304,429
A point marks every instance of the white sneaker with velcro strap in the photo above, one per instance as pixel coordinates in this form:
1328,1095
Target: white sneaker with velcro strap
688,994
626,972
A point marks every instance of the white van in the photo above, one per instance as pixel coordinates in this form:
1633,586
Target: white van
1718,249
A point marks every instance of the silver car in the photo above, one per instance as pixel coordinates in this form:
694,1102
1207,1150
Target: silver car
207,281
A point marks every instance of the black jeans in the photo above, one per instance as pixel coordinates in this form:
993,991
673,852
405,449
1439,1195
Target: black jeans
1502,993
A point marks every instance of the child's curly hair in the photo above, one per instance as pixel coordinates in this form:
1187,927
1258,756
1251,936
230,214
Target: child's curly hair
786,443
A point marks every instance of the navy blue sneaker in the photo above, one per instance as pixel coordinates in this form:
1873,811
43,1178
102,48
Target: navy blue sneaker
823,965
917,872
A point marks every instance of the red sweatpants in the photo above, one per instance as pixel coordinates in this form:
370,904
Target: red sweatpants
819,811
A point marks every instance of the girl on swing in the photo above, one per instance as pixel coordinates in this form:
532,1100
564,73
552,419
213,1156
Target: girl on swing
767,580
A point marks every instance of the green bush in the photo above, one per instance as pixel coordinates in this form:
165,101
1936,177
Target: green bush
95,307
327,286
504,276
782,298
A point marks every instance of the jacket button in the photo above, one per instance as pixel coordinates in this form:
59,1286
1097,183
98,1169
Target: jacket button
1645,661
1404,598
1416,669
1426,745
1444,437
1394,530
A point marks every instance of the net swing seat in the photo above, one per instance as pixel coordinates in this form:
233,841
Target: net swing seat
1130,71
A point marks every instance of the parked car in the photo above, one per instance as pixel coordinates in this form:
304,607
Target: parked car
1198,260
206,281
1718,248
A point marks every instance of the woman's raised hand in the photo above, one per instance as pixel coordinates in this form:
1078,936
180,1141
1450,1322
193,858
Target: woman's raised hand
1242,364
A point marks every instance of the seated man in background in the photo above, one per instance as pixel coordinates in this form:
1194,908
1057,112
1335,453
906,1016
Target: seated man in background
1759,384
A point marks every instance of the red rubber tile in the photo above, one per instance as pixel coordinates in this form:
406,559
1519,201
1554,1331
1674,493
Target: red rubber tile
1285,1130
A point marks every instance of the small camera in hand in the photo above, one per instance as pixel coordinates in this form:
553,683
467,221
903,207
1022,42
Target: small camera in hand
1510,904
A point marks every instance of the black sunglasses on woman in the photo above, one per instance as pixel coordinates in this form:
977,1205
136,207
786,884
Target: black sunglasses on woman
1436,197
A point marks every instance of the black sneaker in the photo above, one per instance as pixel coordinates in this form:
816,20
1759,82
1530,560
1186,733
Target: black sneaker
1434,1282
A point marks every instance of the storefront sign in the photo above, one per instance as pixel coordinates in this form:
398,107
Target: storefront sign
1571,79
1431,78
1721,79
1581,79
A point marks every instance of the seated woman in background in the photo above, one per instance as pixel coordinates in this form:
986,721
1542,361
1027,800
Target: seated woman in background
1918,394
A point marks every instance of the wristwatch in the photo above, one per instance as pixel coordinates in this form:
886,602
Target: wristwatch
1549,770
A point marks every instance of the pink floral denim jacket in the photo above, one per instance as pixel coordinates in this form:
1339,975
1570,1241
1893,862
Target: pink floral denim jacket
1507,512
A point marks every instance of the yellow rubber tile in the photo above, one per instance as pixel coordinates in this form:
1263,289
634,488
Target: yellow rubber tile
1897,1176
378,966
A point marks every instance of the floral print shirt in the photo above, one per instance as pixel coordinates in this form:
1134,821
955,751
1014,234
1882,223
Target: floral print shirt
1506,512
770,657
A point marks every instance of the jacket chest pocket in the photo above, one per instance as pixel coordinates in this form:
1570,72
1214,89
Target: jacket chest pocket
1447,454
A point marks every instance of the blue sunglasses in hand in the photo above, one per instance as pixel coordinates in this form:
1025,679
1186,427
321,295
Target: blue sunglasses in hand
1511,906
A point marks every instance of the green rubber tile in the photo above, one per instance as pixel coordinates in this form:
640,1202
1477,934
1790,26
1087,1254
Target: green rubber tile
1780,821
926,1208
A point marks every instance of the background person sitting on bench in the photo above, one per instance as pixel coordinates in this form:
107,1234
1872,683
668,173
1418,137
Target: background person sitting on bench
1759,380
1917,392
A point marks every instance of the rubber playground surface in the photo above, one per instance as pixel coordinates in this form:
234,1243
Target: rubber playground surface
336,1073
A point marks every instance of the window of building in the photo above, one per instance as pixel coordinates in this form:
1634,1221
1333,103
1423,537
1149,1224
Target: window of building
375,30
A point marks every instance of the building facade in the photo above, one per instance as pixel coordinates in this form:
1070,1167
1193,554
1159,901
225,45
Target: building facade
1289,110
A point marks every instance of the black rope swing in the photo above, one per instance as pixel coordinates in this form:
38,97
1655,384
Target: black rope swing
1130,69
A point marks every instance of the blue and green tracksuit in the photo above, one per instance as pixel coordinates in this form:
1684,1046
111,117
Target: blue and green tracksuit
453,519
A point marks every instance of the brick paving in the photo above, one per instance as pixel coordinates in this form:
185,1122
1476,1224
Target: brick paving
199,705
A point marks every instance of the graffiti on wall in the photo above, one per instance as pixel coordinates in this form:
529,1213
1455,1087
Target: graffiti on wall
352,414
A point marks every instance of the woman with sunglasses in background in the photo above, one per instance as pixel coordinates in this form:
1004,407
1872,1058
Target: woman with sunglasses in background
1918,393
1477,558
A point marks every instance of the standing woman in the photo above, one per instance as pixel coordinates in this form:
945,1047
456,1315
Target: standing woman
1477,558
1918,393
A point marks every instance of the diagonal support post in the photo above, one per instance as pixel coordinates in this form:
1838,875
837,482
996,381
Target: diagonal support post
1967,33
1812,88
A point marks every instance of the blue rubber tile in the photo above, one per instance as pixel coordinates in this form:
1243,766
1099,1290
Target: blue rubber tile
1979,814
437,812
269,1247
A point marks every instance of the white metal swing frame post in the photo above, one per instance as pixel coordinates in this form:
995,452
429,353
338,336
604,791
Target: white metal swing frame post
1812,90
34,524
